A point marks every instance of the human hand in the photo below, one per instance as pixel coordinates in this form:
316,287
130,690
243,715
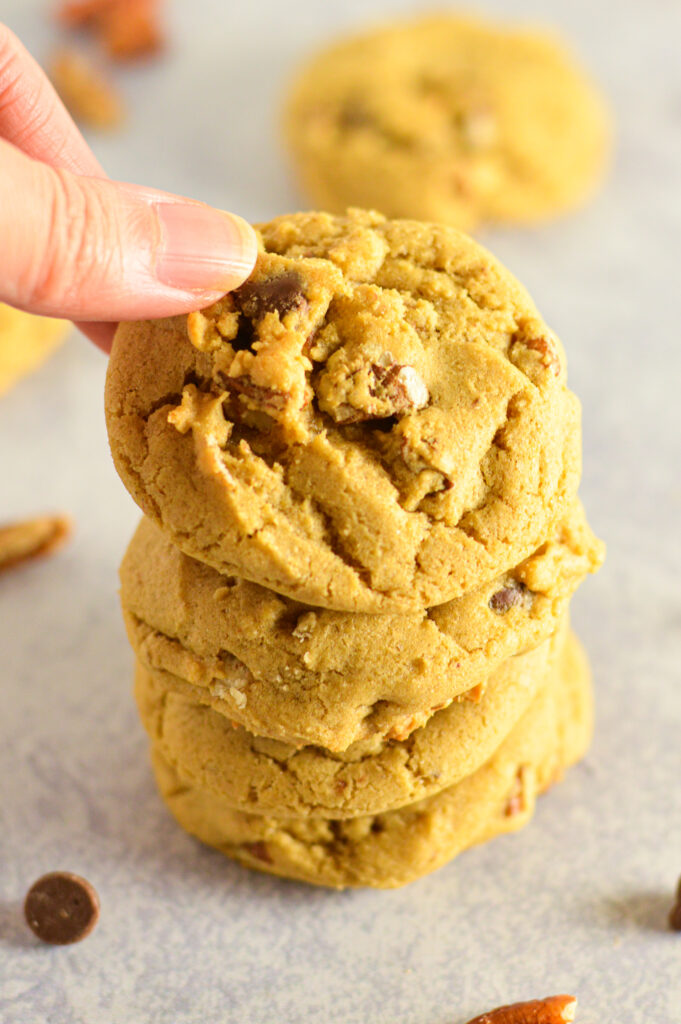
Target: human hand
81,247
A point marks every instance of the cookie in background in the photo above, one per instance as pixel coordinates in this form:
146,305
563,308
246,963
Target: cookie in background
25,343
449,119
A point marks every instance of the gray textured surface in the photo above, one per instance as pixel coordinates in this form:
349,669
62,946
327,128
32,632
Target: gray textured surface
577,901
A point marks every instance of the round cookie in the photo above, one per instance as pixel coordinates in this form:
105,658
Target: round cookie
392,849
264,776
312,676
376,421
448,119
25,342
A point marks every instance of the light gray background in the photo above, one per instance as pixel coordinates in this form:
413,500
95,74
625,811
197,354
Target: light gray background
576,902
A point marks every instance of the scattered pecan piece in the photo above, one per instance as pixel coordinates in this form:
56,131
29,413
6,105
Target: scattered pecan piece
675,912
552,1010
77,13
511,595
86,92
128,28
33,538
132,29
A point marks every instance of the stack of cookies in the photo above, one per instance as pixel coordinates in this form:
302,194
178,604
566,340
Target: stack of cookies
348,599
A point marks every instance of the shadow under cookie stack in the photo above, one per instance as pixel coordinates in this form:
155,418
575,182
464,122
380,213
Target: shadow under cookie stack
348,598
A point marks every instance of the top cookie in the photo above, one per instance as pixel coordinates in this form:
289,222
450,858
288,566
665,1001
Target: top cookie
376,421
448,119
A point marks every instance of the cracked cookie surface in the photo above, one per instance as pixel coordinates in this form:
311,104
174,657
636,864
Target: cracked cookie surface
306,675
377,421
447,119
264,776
394,848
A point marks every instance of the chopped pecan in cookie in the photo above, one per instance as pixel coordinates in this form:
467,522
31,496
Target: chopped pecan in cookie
517,802
378,391
259,851
512,595
542,348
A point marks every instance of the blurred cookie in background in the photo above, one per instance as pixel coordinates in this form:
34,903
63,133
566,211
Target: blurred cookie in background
25,342
449,119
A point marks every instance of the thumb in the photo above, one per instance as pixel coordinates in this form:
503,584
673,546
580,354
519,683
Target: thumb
90,249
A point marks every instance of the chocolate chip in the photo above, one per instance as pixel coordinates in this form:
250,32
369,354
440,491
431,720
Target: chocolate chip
271,295
512,595
61,908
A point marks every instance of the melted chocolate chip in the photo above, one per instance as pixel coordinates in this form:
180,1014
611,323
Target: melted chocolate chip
512,595
245,335
271,295
61,908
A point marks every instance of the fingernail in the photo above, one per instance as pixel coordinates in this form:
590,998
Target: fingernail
202,249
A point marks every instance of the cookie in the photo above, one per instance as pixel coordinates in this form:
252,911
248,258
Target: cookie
264,776
448,119
25,342
391,849
306,675
376,421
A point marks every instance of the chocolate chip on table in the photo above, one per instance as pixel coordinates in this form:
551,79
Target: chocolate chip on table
675,912
551,1010
61,908
512,595
271,295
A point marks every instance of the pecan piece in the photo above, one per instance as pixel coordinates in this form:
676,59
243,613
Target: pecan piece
402,386
393,389
268,399
512,595
33,538
259,851
551,1010
517,798
548,356
89,96
128,28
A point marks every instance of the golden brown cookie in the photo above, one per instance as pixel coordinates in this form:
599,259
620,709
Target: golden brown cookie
391,849
25,342
306,675
376,421
450,119
265,776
